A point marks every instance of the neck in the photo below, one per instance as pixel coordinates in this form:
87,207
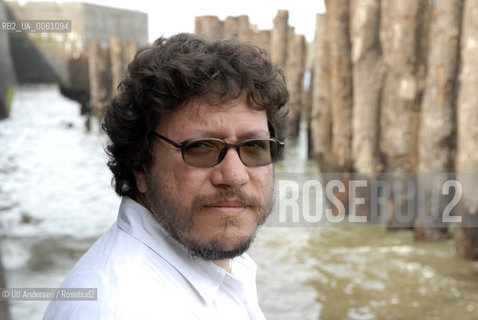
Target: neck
141,199
225,264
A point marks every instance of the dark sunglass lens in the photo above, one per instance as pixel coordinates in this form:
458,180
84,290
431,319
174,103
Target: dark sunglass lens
203,153
258,152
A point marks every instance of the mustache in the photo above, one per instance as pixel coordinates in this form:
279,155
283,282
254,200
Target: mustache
201,201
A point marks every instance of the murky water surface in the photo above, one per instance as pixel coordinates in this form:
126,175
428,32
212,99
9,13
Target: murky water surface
56,199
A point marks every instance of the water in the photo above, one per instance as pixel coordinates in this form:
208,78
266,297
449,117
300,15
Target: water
56,199
55,195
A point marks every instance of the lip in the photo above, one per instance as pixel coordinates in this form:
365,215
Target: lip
228,207
228,204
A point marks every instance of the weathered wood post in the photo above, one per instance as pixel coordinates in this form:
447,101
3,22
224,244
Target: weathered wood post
341,93
231,28
262,38
400,109
320,115
130,49
93,79
288,52
78,87
368,75
466,237
209,26
244,29
295,78
437,120
237,28
400,103
279,38
99,77
116,63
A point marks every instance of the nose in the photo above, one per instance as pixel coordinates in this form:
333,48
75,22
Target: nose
230,172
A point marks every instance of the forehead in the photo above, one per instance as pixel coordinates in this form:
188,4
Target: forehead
198,118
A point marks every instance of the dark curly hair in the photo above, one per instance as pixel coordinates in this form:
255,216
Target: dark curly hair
170,73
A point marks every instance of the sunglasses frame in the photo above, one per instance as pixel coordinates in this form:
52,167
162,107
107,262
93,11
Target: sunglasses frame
223,152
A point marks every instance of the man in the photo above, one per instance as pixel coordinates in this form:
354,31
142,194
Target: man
194,130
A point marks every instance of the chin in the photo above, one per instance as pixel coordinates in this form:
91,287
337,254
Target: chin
225,245
232,242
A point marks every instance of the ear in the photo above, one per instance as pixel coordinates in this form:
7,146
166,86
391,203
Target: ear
140,177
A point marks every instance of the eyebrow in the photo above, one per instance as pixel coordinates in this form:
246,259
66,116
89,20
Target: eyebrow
246,135
255,134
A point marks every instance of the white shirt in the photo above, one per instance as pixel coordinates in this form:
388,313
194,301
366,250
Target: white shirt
141,272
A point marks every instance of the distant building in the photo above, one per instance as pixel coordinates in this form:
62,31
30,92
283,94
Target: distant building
44,57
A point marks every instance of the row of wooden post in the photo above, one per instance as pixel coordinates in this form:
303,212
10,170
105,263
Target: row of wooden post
395,90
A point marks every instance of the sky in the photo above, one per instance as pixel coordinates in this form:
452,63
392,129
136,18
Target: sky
166,18
173,16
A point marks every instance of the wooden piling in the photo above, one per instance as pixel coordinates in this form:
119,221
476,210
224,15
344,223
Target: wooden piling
368,76
279,38
99,75
237,28
368,71
130,49
340,84
295,79
209,26
466,237
262,38
437,118
400,103
93,76
320,115
116,63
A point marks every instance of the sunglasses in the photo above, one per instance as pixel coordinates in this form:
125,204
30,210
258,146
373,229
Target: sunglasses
208,152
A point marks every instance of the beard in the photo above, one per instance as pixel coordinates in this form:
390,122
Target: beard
178,219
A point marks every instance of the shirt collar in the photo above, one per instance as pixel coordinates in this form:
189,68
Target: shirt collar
204,276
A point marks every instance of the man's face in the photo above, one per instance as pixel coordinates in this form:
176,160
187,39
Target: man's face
214,211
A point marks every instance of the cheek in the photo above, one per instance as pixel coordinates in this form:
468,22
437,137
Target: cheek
186,182
263,180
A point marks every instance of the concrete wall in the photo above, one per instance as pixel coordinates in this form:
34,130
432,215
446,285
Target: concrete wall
44,57
7,75
101,23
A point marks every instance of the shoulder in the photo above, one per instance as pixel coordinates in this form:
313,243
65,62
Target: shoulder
136,297
132,282
127,293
